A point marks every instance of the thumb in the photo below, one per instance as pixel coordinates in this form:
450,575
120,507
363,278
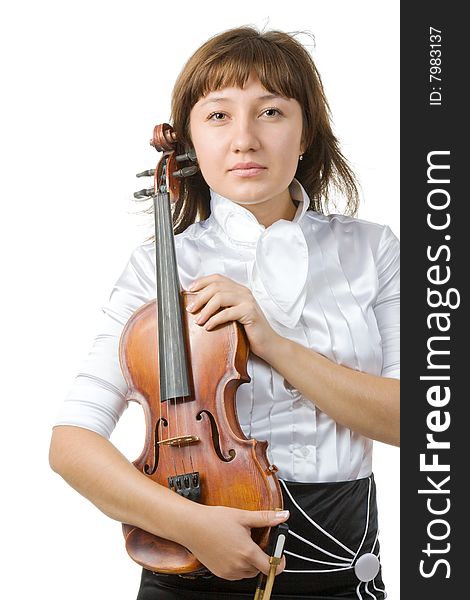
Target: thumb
264,518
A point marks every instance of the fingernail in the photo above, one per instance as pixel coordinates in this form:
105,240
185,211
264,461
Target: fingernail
190,306
282,514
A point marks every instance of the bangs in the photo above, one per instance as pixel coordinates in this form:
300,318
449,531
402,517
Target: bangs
285,68
282,65
233,64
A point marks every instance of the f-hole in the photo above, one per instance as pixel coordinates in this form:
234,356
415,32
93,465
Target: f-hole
216,437
156,447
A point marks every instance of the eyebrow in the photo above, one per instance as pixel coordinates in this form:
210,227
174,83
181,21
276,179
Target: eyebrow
224,99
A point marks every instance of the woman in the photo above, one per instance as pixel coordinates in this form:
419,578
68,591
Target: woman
318,298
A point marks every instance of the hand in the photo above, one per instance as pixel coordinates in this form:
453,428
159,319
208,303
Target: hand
217,291
220,537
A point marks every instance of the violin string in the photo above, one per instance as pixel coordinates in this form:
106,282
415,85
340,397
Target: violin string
176,407
192,465
163,197
188,430
187,445
160,434
182,363
179,432
192,418
184,448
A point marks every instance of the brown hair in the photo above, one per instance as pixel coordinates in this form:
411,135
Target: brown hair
283,67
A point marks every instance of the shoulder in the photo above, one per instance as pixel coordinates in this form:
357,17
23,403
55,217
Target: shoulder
140,268
194,232
374,235
144,253
142,258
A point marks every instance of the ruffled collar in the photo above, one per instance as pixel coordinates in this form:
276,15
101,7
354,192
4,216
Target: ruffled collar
278,255
241,225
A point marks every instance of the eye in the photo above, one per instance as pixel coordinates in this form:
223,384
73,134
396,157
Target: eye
274,112
216,116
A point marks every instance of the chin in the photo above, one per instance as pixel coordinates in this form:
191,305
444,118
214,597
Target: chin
248,194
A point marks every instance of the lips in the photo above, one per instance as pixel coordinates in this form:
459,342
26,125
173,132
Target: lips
247,165
248,169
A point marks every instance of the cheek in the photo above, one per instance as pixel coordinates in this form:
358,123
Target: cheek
286,149
208,160
205,156
200,147
208,153
284,142
197,139
291,137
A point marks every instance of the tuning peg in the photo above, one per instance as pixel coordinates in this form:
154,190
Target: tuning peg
148,173
144,193
190,155
186,171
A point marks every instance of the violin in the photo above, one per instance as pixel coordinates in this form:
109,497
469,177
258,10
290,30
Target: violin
186,379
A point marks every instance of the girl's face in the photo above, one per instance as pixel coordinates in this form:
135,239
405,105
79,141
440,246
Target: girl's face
248,143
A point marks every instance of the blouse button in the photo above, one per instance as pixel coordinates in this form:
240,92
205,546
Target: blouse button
294,392
288,386
305,451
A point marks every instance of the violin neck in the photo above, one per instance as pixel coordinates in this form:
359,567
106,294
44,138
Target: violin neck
174,379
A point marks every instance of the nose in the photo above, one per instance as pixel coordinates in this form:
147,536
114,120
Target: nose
244,135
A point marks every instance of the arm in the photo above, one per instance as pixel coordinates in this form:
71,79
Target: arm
365,403
368,404
83,455
220,537
95,468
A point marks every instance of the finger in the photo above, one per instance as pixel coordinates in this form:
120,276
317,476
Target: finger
213,304
281,566
204,281
237,575
224,316
203,296
265,566
263,518
260,561
200,300
207,303
248,572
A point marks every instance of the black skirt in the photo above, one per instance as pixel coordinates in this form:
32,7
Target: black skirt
332,551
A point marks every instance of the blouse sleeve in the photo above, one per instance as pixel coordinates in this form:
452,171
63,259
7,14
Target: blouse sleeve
96,399
387,304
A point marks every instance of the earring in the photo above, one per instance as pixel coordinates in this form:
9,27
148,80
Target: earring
301,157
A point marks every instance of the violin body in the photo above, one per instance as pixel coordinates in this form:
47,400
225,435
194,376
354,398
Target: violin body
194,444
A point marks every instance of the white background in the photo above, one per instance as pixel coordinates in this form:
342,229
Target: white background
83,85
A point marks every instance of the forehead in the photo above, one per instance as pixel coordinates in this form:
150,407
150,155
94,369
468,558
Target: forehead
251,90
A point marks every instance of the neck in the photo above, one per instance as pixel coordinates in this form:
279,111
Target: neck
269,211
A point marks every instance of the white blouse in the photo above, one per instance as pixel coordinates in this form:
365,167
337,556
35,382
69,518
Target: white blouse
330,283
